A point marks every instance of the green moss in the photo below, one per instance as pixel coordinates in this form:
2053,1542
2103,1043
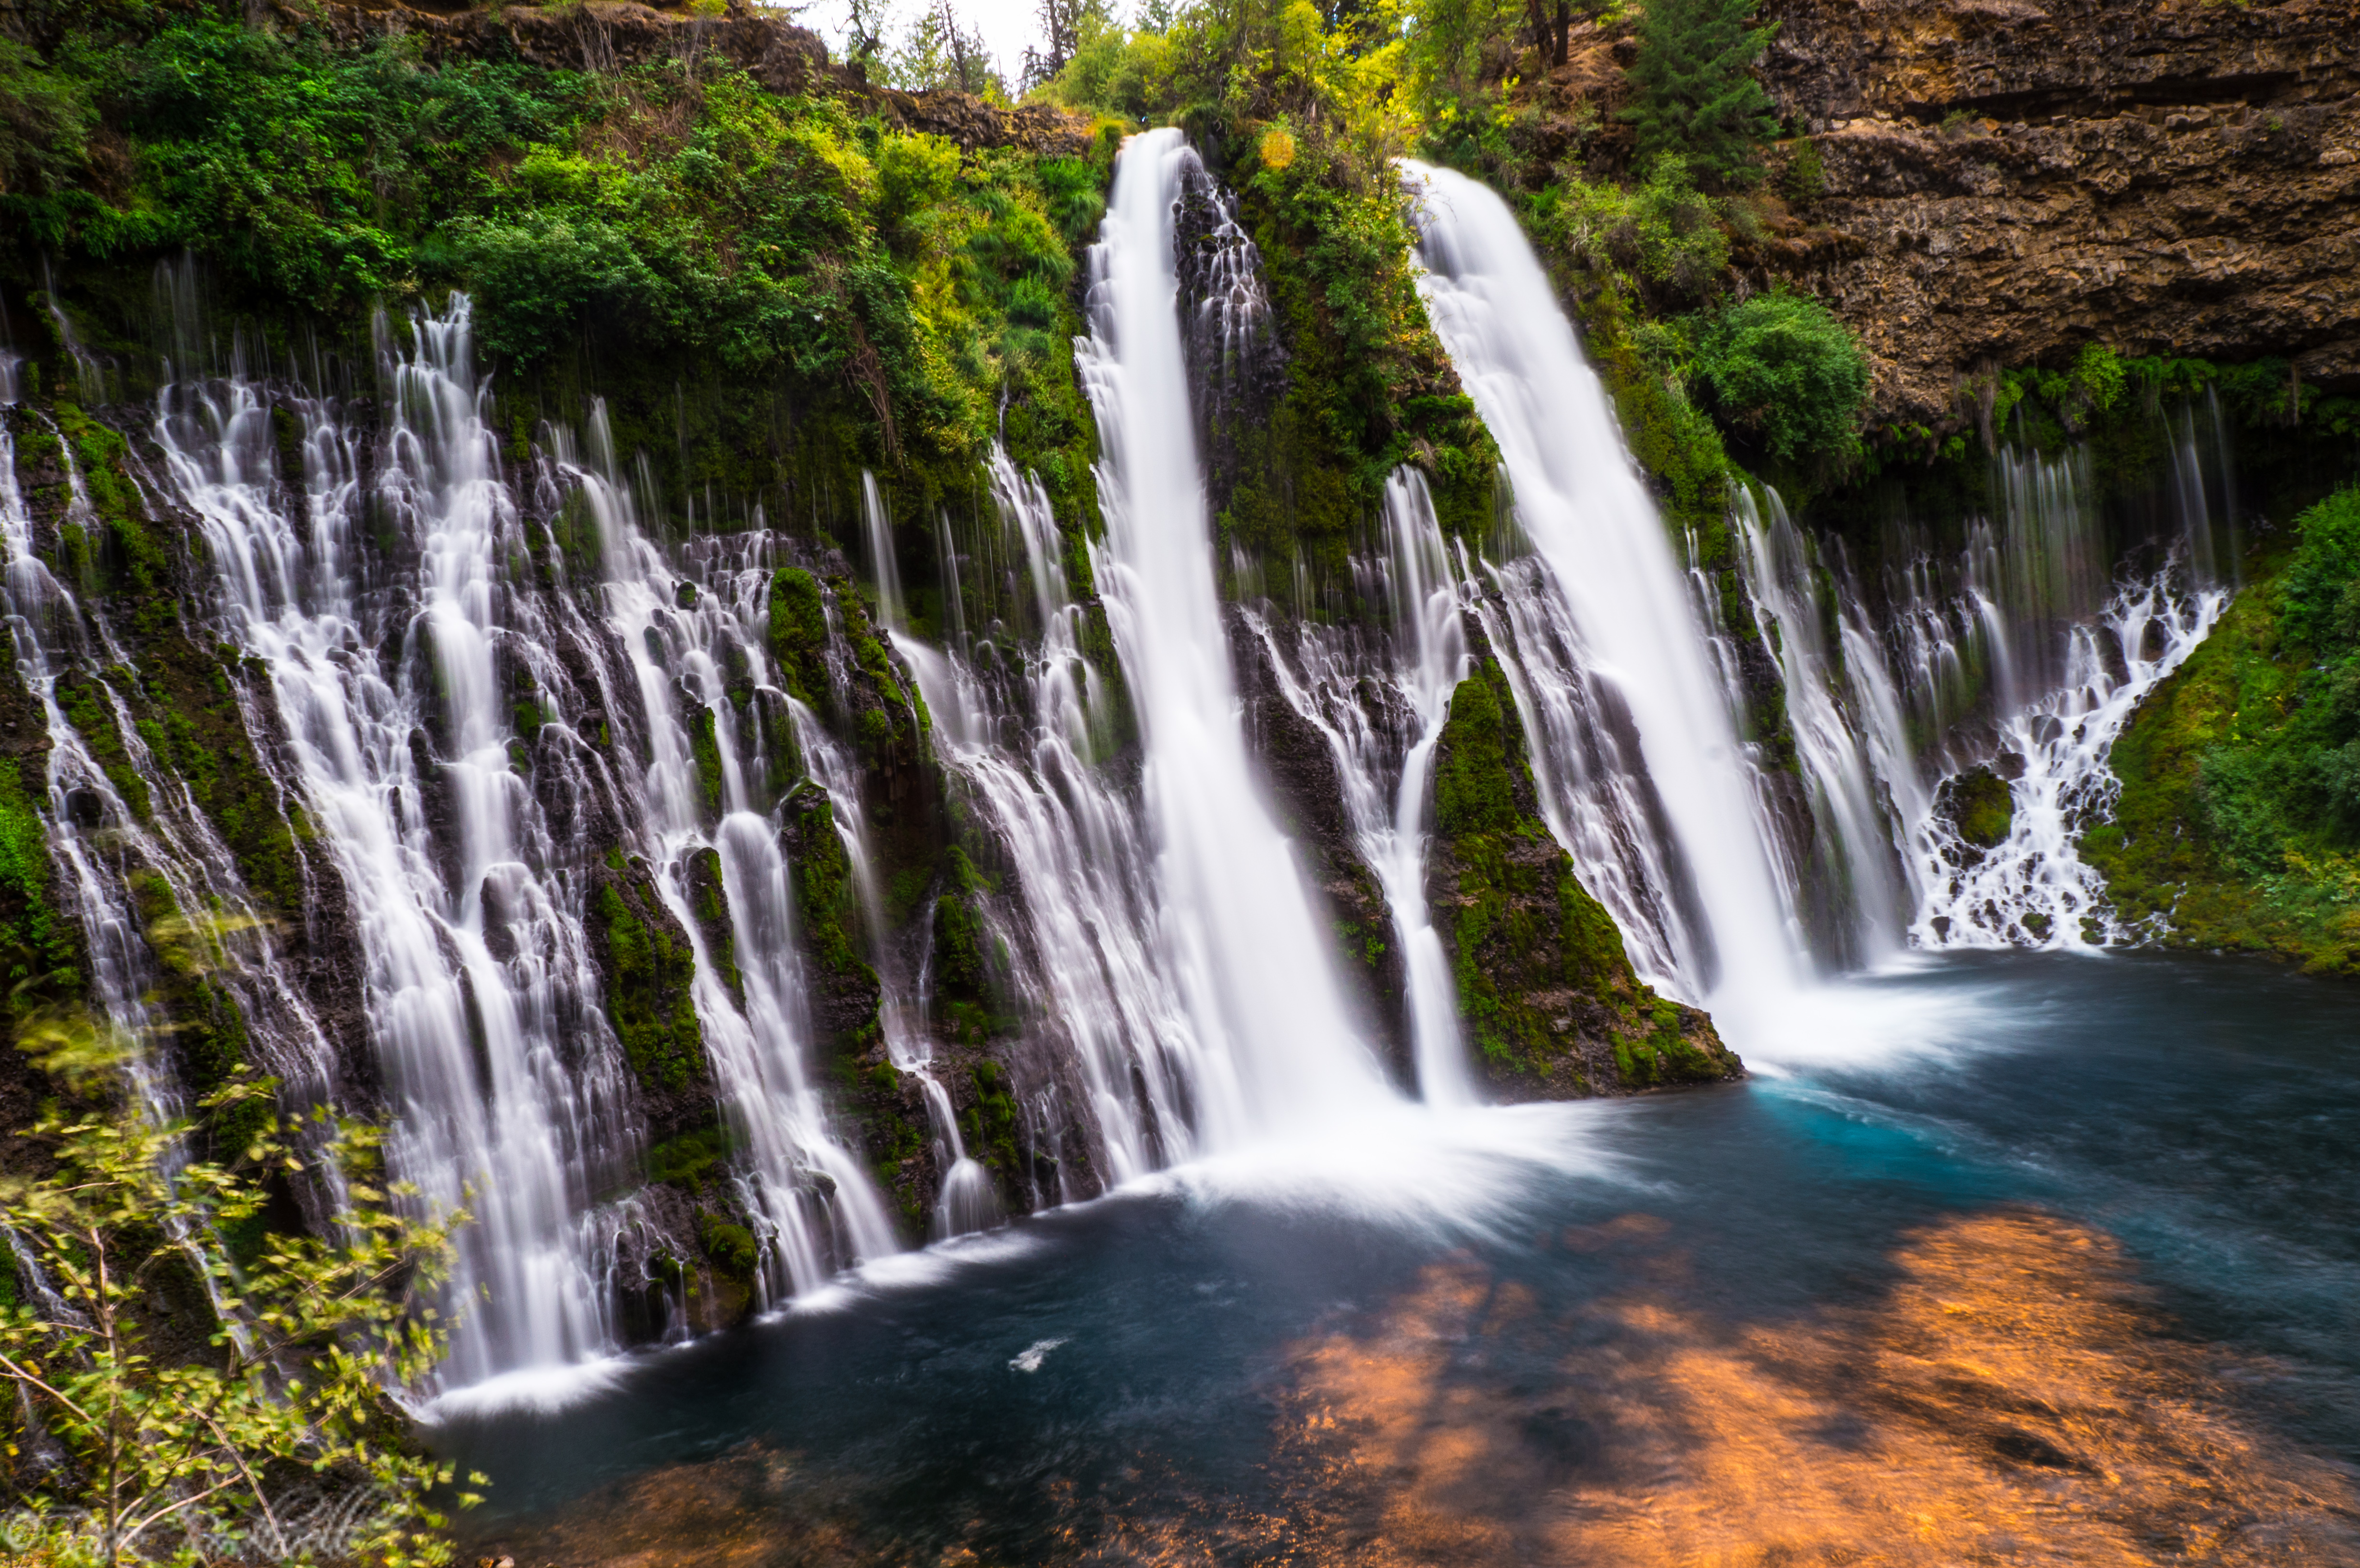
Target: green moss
692,1158
798,632
959,972
1981,807
1537,962
825,896
648,971
989,1125
84,703
2238,822
705,747
40,951
731,1246
1474,792
708,897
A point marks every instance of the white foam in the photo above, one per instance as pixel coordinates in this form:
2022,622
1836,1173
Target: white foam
1449,1174
1882,1019
1029,1359
540,1390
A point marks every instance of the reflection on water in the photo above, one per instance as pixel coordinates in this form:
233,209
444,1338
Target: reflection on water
2007,1394
2011,1398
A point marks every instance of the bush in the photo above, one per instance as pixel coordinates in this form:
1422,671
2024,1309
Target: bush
1783,368
171,1449
2317,607
1805,178
1664,232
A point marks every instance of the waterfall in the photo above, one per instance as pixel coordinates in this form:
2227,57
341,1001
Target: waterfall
1236,919
1382,712
2017,664
1617,604
685,632
507,1089
1089,967
496,697
1795,611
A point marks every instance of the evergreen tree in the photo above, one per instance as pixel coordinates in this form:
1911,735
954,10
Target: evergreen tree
937,52
1697,95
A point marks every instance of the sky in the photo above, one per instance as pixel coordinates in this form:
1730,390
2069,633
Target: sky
1009,26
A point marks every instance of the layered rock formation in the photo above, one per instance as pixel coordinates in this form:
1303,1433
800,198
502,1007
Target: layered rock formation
2006,180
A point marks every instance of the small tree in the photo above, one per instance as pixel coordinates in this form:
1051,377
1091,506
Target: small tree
1697,95
163,1449
937,52
1552,25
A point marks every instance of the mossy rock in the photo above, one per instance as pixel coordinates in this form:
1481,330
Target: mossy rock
1546,994
708,903
648,966
1979,805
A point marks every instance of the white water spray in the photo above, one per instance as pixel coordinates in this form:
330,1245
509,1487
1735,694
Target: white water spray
1579,500
1237,920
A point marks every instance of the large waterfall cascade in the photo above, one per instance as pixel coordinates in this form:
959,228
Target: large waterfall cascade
1623,604
1246,943
2024,650
491,722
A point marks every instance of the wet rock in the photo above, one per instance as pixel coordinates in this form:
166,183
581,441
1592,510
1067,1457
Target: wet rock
1551,1007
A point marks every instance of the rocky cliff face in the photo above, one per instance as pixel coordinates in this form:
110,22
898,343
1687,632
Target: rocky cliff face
2006,180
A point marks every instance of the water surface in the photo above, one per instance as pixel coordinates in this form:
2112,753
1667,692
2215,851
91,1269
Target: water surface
2018,1257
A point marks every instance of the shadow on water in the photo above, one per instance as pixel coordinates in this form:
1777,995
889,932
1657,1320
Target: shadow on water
2072,1283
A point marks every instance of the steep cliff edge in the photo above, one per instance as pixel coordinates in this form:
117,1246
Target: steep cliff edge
2005,181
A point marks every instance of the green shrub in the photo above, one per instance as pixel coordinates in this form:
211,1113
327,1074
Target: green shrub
44,124
2320,596
1782,367
1806,179
310,1340
1662,233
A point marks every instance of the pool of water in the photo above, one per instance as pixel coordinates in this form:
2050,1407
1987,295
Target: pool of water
2023,1258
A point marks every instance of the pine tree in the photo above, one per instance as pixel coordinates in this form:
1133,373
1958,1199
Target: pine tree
1697,95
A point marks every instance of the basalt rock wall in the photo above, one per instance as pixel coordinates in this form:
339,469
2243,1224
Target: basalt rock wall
2006,181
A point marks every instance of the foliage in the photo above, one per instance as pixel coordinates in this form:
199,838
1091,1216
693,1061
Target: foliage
166,1449
676,211
937,52
1804,178
2239,818
45,122
1453,70
1697,95
1661,238
1782,367
1368,385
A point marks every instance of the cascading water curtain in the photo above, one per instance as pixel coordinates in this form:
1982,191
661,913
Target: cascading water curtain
1607,638
1275,1043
